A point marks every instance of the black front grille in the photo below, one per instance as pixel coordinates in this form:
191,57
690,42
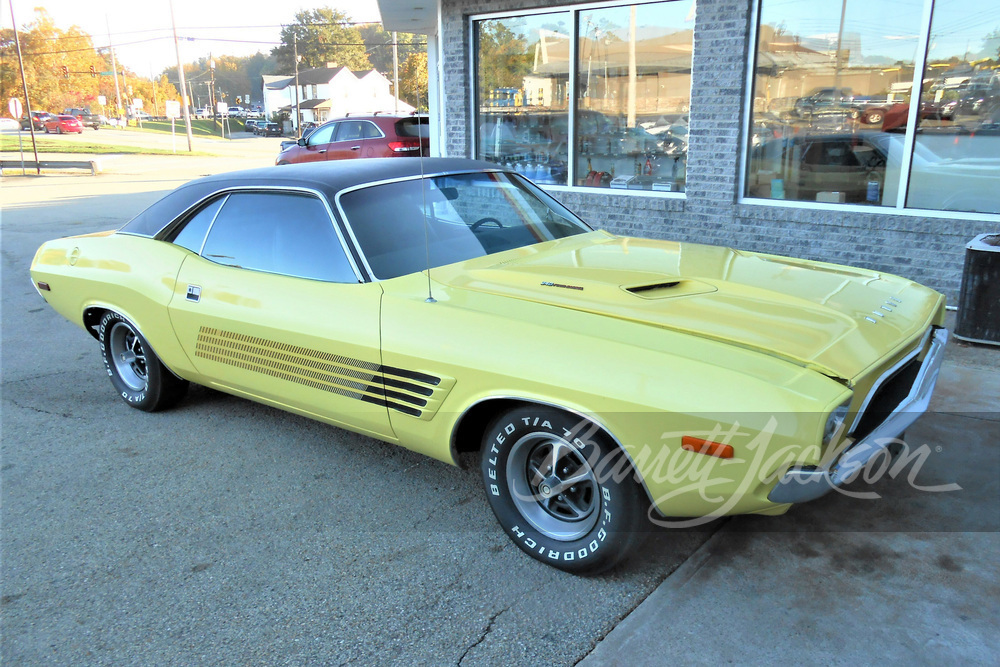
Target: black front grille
887,397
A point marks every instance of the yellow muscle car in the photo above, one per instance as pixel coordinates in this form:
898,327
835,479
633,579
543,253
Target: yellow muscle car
452,306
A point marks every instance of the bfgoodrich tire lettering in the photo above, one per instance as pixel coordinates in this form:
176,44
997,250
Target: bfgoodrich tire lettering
561,489
135,371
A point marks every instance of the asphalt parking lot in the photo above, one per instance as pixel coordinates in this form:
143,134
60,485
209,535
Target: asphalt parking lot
223,531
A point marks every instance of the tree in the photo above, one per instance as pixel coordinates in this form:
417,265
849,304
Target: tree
504,57
323,36
47,50
413,80
378,44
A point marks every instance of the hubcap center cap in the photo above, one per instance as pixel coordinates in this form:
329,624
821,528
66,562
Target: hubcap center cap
546,488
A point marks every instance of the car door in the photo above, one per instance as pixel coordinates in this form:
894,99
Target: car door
349,141
270,306
317,145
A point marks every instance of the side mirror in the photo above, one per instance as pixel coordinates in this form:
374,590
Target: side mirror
301,141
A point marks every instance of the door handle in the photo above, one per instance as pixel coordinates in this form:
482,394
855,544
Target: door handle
355,148
322,151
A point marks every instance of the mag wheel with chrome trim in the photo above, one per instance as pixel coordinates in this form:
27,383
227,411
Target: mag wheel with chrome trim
136,372
562,490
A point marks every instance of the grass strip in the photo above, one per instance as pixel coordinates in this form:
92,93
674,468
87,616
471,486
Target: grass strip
9,145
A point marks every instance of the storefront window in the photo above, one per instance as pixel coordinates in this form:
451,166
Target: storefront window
633,93
522,91
629,94
831,93
956,159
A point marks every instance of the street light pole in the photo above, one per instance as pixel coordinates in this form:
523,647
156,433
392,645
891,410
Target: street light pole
295,53
114,69
24,83
180,74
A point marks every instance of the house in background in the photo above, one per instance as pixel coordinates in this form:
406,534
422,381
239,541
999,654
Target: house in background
330,92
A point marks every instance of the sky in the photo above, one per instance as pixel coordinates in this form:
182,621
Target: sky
142,34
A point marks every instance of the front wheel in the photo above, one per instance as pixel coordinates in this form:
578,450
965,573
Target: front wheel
562,490
136,372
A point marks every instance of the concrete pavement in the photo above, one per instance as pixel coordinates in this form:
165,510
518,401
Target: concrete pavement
910,578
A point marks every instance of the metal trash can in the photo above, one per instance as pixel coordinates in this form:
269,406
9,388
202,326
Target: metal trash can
979,300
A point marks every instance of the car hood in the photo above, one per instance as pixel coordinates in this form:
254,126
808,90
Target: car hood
834,319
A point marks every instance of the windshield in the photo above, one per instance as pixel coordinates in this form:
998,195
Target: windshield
467,216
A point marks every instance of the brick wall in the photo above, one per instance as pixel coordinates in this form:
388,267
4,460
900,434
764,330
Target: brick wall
929,250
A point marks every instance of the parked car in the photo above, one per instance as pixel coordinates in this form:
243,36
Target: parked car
63,123
251,126
86,118
270,130
288,143
856,166
38,117
466,311
361,136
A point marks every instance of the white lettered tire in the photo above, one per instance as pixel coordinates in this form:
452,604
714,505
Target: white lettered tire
135,371
562,490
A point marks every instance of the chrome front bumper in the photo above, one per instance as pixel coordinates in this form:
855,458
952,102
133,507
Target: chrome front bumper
801,484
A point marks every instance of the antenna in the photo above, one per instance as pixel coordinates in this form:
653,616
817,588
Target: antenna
423,196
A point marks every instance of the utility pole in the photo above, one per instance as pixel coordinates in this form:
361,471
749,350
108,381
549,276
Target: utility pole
24,83
114,69
211,92
180,74
295,53
395,72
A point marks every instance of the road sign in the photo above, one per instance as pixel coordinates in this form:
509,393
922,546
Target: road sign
102,100
15,107
137,103
173,108
222,108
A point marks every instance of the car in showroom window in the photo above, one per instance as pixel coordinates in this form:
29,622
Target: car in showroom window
455,308
830,80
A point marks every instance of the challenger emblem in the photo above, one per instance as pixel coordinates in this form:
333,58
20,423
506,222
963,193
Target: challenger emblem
548,284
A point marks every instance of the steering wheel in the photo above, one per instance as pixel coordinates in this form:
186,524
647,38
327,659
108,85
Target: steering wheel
482,221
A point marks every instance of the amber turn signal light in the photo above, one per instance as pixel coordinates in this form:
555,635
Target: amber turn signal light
699,446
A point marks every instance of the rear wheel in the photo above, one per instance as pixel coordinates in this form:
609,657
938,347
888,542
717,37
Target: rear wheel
562,490
136,372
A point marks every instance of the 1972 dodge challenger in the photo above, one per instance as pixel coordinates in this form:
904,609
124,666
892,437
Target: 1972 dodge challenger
452,306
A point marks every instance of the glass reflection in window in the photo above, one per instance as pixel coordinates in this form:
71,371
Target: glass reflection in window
956,159
832,85
634,91
522,82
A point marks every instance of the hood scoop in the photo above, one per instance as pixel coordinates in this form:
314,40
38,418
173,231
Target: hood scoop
667,289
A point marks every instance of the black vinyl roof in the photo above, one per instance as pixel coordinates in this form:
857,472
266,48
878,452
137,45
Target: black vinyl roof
328,178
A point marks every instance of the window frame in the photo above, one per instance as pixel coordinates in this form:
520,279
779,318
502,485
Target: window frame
573,10
542,194
910,137
174,227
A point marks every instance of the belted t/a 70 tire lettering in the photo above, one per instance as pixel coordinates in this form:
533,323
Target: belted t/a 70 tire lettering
136,372
562,490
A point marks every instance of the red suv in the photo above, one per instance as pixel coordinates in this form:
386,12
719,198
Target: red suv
361,136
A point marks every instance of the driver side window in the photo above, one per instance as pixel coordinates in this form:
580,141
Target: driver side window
323,135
